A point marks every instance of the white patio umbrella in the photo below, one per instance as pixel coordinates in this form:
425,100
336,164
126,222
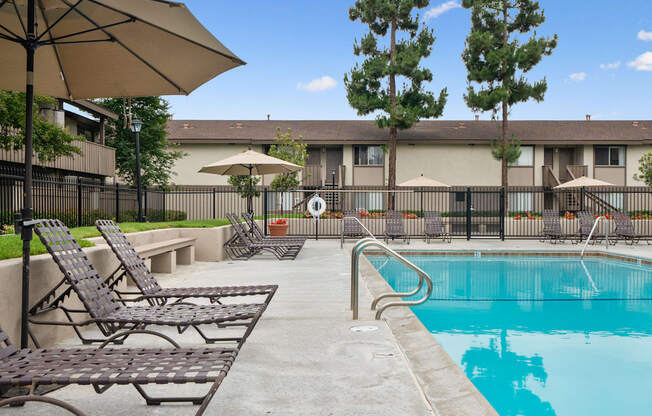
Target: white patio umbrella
250,163
99,48
583,182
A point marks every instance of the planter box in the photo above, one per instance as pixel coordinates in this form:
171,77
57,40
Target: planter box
278,230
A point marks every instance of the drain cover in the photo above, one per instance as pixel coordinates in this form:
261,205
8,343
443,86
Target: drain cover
363,328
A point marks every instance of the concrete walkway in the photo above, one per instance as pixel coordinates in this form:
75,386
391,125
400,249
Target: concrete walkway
302,358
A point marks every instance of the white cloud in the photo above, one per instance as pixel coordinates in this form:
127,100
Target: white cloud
437,11
642,63
613,65
578,76
643,35
318,84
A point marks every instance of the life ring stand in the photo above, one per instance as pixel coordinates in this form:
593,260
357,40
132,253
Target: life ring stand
315,201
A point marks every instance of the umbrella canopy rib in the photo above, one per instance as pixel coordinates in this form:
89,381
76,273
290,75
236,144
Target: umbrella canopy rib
56,50
172,4
125,47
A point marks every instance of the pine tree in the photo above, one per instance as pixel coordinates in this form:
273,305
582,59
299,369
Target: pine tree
371,87
496,59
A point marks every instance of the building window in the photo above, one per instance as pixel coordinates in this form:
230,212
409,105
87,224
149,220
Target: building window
369,155
85,132
526,158
610,156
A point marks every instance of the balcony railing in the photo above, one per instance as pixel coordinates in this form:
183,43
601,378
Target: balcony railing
95,159
311,175
577,171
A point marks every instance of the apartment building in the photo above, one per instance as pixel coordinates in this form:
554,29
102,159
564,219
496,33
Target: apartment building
351,153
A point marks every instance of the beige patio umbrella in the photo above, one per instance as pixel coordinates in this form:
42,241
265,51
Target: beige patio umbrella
250,163
583,182
422,181
99,48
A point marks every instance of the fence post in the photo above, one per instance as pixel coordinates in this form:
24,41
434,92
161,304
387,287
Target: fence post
265,210
468,213
117,202
145,195
165,198
582,199
79,202
502,214
214,202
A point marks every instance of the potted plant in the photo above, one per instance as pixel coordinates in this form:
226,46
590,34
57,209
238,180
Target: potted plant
278,228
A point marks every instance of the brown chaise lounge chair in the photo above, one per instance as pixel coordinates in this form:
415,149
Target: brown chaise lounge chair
28,375
625,229
351,227
552,227
283,250
260,235
434,228
394,226
148,288
586,224
111,316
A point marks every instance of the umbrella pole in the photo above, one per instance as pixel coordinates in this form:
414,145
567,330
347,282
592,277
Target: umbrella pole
250,197
27,212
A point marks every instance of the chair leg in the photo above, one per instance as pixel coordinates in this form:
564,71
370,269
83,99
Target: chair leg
199,400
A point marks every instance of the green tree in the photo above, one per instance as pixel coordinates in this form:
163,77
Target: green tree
50,140
157,155
645,169
286,148
245,185
371,86
496,60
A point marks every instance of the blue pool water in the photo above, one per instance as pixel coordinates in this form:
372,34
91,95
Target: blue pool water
542,335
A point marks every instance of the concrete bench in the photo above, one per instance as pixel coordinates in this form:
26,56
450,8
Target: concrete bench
165,255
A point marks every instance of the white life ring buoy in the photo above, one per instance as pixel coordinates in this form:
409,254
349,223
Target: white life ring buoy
316,206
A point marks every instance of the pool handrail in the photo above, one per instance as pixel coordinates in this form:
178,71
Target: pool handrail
606,235
358,249
361,225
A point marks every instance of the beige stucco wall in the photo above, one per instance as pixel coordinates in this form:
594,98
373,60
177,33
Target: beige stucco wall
451,164
347,162
634,154
198,155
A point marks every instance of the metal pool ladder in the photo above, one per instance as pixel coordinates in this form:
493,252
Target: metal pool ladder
606,235
359,248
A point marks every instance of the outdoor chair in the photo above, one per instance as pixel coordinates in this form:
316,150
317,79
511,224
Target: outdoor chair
586,224
255,230
251,245
111,316
394,226
434,228
552,227
27,375
625,229
134,266
351,227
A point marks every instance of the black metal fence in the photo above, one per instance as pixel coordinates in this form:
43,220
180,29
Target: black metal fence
467,212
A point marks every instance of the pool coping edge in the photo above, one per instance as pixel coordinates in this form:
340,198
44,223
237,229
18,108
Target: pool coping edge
444,384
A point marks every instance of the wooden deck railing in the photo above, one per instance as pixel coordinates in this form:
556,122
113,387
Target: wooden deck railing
95,159
549,178
311,175
577,171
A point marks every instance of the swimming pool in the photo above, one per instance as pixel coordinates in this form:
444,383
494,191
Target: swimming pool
541,335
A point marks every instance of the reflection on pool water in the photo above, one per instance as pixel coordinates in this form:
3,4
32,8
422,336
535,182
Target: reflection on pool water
541,335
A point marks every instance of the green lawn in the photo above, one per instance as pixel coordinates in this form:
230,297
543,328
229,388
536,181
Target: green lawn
11,246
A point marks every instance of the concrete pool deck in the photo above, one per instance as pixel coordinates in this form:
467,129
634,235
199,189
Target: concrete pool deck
303,359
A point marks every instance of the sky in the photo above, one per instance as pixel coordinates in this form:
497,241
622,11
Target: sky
297,52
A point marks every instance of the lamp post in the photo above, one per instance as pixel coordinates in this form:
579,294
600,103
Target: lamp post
136,126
